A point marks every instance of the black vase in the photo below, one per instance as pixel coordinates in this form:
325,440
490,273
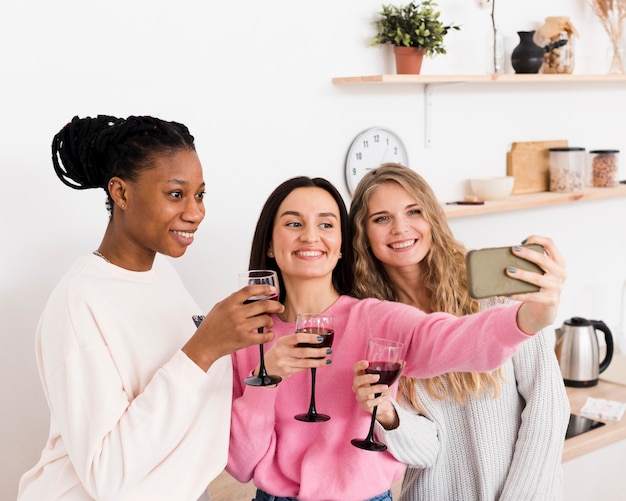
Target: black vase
527,57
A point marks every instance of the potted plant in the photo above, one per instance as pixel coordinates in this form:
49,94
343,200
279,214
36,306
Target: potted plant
414,29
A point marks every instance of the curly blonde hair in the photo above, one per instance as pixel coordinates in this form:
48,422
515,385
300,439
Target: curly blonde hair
443,270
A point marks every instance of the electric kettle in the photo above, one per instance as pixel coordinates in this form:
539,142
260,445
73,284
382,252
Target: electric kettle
578,351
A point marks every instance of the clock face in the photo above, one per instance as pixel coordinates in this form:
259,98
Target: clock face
370,149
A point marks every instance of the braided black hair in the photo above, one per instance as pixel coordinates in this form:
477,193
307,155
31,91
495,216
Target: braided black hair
87,152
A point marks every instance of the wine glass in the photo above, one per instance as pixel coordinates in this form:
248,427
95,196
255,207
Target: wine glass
385,359
322,325
258,277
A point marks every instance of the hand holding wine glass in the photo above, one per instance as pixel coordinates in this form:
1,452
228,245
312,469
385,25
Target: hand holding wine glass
365,387
256,277
322,325
385,359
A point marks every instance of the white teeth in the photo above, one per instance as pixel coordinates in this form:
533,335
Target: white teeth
309,253
403,245
185,234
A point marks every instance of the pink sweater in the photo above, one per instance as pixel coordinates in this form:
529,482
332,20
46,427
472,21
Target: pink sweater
316,461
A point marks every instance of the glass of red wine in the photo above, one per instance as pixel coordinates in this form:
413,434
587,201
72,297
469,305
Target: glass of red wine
322,325
260,277
385,358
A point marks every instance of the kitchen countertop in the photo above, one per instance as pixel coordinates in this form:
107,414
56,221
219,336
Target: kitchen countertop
614,431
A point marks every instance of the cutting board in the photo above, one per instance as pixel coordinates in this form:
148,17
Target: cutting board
528,161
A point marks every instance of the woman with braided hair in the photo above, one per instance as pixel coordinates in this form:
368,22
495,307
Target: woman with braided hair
139,397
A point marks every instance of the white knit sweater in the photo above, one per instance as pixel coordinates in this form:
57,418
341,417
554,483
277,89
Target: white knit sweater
132,418
508,448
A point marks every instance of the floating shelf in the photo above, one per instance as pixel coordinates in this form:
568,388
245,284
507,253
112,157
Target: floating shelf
516,202
488,79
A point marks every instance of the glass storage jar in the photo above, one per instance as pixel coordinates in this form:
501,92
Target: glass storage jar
556,37
567,168
604,168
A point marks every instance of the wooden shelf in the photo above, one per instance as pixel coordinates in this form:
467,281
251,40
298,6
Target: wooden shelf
516,202
488,79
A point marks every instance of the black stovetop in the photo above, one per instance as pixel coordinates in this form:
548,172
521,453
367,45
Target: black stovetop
579,424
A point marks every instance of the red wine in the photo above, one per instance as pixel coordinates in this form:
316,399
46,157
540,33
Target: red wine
327,334
388,371
261,297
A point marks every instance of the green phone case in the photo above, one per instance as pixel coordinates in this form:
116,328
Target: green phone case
486,275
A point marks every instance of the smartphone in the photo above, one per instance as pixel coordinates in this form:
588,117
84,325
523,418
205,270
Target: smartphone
486,272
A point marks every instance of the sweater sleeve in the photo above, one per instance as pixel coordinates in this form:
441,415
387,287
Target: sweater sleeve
440,342
120,441
415,441
536,467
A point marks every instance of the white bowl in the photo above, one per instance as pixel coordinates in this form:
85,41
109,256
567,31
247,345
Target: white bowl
492,188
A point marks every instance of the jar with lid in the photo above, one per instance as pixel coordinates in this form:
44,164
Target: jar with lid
567,168
604,168
556,37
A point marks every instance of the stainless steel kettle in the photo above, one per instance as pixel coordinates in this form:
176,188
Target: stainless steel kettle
578,351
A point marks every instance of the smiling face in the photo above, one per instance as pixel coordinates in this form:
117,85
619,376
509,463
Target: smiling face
397,232
163,208
306,239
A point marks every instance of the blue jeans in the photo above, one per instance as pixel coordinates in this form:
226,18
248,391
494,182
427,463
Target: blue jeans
264,496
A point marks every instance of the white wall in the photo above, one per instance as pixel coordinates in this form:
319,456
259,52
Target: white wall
259,120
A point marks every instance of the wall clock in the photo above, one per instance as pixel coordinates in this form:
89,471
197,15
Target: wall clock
369,149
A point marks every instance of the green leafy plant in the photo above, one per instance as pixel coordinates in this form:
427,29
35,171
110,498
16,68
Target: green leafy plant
414,25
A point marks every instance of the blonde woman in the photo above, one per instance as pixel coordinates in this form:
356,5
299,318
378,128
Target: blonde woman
465,435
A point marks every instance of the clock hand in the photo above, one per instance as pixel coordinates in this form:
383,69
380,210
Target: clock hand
384,154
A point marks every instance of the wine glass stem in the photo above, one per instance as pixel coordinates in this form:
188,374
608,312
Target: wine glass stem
312,409
262,370
370,433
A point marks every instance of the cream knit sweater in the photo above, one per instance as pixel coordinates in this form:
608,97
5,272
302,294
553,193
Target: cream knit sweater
508,448
132,418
